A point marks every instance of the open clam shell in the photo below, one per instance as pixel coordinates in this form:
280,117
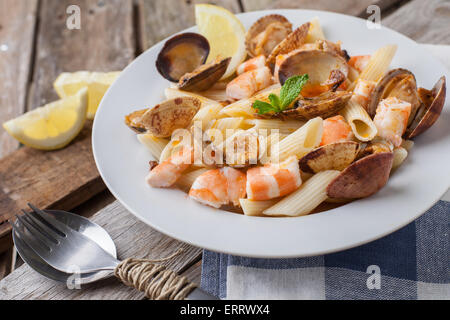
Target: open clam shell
363,178
266,33
182,54
433,101
163,119
133,121
292,42
335,156
205,76
318,64
399,83
324,105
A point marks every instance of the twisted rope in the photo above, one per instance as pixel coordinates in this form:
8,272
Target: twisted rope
154,280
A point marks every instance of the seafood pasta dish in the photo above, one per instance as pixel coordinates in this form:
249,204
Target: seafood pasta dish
287,124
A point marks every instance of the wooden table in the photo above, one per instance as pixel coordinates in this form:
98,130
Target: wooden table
36,45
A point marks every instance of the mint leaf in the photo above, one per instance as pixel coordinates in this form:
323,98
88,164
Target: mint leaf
274,100
263,107
291,89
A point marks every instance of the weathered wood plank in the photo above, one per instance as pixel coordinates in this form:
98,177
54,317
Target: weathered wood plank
105,42
423,21
133,239
17,24
160,19
68,177
350,7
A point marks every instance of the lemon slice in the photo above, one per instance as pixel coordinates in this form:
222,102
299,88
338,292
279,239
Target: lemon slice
53,126
68,84
225,33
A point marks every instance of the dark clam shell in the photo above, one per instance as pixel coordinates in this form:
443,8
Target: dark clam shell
182,54
363,178
432,103
205,76
399,83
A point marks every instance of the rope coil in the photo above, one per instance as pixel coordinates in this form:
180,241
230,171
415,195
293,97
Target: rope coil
154,280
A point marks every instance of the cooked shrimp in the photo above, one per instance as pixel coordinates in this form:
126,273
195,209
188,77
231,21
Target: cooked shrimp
336,129
362,92
391,119
248,83
167,173
273,180
359,62
252,64
219,187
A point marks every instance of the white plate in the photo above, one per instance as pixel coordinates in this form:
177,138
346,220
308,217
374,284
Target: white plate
415,187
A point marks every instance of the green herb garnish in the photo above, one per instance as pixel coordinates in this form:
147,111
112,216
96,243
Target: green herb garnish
289,91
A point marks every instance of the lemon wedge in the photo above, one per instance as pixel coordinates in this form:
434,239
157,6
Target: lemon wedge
68,84
53,126
225,33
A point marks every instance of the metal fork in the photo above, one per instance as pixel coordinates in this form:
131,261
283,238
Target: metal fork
63,248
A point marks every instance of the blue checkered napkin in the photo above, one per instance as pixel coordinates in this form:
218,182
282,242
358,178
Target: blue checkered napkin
412,263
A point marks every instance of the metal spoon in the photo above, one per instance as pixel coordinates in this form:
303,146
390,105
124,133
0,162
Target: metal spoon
49,240
80,224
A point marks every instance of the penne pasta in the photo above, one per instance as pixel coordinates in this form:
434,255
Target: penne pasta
207,114
353,74
243,108
226,123
400,154
379,63
315,31
302,141
187,180
407,144
155,145
306,198
255,208
284,127
359,120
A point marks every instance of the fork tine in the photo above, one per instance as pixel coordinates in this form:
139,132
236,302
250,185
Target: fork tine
34,235
41,227
58,227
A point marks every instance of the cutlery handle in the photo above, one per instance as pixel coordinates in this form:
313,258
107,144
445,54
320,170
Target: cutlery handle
157,282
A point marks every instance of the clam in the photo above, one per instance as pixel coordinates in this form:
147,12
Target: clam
205,76
133,121
363,178
324,105
266,33
293,41
377,145
321,67
182,54
399,83
327,45
432,103
335,156
163,119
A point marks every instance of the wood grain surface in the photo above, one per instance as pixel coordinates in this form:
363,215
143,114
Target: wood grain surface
423,21
68,177
350,7
16,48
132,238
16,51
